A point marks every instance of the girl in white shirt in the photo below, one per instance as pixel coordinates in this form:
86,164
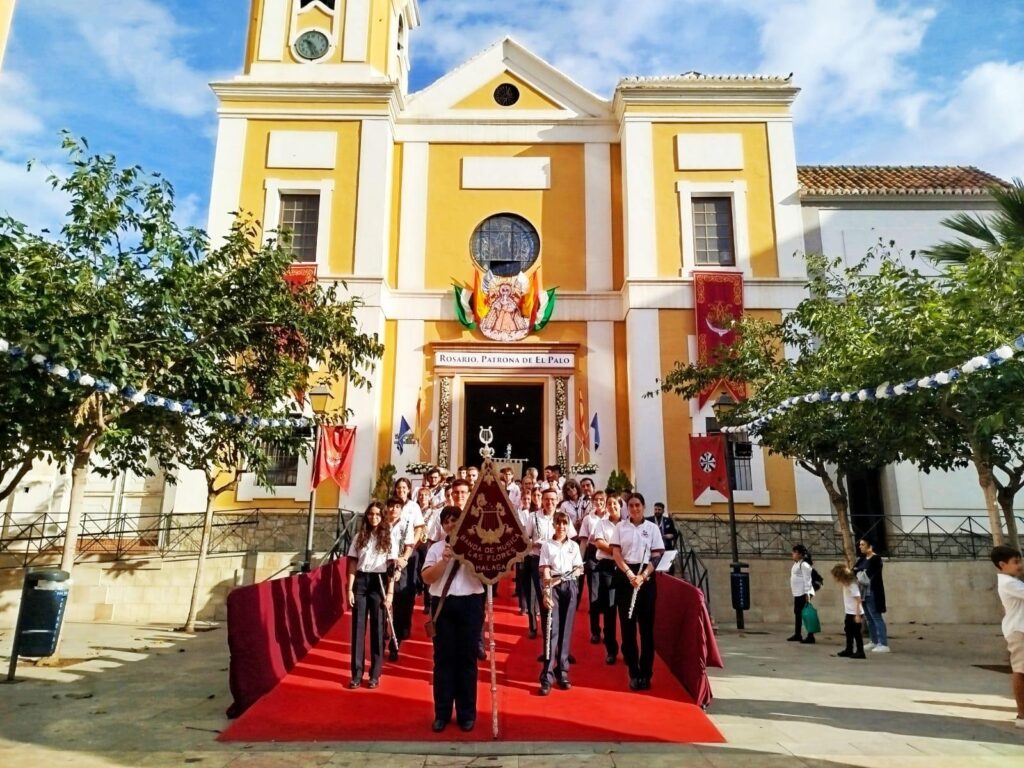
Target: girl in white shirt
842,573
802,589
369,591
560,566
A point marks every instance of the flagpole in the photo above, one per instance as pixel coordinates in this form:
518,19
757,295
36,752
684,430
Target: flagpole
494,666
307,563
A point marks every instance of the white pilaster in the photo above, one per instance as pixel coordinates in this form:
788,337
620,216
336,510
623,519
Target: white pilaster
638,200
412,239
227,177
789,232
602,396
647,432
598,181
272,30
373,222
357,30
408,377
365,407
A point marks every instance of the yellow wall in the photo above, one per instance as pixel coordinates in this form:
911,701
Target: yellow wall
558,214
676,325
529,97
756,174
622,423
618,251
345,176
387,388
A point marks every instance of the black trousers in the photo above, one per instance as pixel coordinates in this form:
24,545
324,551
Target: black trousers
854,635
639,660
455,644
590,580
369,610
421,555
565,598
532,565
404,600
605,606
799,601
524,588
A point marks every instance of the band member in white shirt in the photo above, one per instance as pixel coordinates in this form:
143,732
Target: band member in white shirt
601,534
458,616
511,487
369,592
572,502
589,550
637,547
524,587
432,481
560,565
539,528
403,541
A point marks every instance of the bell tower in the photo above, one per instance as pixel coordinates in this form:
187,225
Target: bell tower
331,41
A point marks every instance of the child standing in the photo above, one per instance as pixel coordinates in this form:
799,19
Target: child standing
1007,561
854,612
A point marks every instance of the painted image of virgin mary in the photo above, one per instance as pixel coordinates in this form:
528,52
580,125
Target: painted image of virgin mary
504,321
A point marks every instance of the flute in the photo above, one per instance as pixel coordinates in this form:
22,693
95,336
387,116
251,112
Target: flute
636,589
387,614
547,593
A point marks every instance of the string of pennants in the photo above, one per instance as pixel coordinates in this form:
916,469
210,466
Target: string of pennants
885,391
149,399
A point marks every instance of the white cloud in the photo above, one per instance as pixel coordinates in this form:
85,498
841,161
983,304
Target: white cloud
849,57
139,43
21,116
28,196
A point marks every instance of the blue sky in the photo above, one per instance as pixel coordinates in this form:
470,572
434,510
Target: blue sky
923,82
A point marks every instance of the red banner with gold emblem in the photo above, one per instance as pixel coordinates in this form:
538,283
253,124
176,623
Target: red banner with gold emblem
718,303
488,537
707,464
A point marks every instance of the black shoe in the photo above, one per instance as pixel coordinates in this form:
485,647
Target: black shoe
595,639
645,683
634,684
809,640
860,655
845,654
467,725
481,654
609,659
563,682
393,654
542,657
533,633
545,689
355,684
374,682
794,639
439,725
572,659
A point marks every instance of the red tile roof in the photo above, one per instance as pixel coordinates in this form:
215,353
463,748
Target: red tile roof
867,180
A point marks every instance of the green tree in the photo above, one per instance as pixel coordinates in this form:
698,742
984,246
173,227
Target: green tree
122,292
1003,230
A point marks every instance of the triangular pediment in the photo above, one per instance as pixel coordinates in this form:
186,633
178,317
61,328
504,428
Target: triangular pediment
543,91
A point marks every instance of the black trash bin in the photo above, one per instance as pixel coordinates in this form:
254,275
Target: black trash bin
740,583
44,595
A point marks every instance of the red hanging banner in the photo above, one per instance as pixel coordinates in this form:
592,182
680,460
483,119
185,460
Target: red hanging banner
707,464
718,302
333,457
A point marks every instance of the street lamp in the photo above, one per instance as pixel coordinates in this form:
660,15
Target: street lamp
318,397
739,581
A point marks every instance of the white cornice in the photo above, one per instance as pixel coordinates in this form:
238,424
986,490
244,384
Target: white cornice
245,89
702,92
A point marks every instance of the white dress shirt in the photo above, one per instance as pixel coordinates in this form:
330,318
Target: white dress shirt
465,581
402,534
412,512
800,579
637,542
560,556
1011,593
515,495
602,530
541,527
370,559
588,525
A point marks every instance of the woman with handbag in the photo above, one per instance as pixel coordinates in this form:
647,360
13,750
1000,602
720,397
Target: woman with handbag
454,626
369,592
800,584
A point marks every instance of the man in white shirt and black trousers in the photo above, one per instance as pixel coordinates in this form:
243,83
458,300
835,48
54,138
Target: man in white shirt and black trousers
637,547
540,527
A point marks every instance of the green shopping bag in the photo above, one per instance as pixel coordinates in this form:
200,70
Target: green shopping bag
809,615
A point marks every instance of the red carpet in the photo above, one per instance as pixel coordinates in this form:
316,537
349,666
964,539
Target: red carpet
312,703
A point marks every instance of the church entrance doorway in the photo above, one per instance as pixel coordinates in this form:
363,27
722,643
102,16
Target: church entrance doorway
515,413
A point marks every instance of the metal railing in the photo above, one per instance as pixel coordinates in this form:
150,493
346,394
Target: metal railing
920,537
695,572
29,540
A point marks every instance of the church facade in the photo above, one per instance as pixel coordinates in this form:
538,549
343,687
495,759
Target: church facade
531,254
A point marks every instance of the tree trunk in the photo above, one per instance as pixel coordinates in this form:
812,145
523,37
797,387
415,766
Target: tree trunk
1005,498
16,478
837,496
988,487
79,479
204,548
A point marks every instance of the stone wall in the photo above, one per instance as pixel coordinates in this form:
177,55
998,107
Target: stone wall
924,592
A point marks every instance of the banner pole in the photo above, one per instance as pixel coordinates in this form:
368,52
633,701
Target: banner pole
494,665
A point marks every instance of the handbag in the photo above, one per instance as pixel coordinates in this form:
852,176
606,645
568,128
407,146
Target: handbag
430,627
809,616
